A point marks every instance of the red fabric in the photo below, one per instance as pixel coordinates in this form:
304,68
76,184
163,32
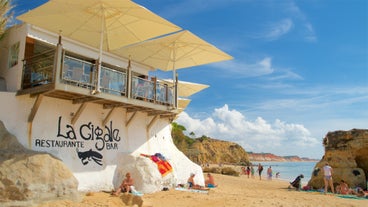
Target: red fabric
163,166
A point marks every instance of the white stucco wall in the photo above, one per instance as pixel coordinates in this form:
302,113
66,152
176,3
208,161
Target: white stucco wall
12,75
53,123
51,130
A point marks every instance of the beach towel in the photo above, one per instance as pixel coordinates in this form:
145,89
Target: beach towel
192,190
163,165
352,197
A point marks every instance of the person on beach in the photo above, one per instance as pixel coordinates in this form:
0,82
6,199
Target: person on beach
277,175
360,192
343,188
252,171
328,171
243,171
126,186
260,169
192,185
269,173
210,181
297,182
248,171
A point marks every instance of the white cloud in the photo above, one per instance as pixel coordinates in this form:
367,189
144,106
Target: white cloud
258,135
307,27
275,30
242,69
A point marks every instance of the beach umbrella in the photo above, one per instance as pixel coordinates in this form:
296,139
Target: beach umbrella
179,50
102,24
185,88
183,103
118,22
182,49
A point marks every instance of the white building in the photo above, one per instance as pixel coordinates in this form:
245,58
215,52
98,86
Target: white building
49,102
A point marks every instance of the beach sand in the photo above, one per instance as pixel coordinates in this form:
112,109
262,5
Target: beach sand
231,191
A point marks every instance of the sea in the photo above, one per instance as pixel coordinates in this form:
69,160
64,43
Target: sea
289,170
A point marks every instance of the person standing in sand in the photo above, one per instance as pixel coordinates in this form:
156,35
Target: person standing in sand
327,171
269,173
260,169
252,171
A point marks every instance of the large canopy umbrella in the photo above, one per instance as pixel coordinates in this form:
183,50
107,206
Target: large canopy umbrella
183,103
102,24
186,89
175,51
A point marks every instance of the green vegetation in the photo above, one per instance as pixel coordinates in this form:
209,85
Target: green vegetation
5,15
182,142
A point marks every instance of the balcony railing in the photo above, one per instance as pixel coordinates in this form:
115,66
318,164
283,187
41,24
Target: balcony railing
39,70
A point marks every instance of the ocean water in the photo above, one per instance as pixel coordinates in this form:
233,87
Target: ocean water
289,170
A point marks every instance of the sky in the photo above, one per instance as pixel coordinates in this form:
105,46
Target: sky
300,70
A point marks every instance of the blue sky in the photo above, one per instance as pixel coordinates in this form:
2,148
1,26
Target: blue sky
300,70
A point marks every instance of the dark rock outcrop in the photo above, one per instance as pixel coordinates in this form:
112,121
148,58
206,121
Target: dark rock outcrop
27,175
347,153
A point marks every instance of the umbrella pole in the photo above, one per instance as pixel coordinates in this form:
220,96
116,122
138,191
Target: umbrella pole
175,79
97,90
129,79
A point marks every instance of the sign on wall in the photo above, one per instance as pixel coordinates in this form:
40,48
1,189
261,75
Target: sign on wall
88,140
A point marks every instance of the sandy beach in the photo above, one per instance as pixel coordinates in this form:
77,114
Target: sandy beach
231,191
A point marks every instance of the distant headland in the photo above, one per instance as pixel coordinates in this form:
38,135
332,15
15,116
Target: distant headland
269,157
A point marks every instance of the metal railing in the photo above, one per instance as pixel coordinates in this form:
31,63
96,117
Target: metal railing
83,74
113,81
38,69
78,72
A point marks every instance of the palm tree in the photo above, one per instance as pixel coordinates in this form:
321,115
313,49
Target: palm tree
5,7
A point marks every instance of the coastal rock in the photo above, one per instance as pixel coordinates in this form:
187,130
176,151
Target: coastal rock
26,175
217,151
346,152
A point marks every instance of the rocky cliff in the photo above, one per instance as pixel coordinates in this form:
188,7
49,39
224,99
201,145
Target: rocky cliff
27,176
347,153
267,157
208,150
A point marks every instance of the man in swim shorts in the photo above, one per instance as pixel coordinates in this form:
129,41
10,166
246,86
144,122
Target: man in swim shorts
327,172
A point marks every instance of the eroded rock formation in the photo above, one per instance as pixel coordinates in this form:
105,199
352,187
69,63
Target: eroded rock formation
27,176
347,153
217,151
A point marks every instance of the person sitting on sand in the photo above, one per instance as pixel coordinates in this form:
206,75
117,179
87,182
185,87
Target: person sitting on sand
192,184
360,192
126,185
210,181
297,182
343,188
